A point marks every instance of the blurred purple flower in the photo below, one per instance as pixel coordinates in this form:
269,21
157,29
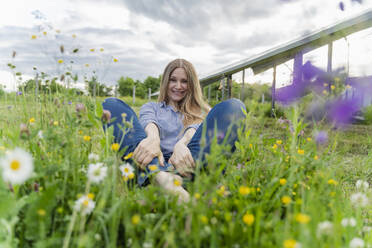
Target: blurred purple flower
341,6
321,137
69,102
341,111
19,93
359,1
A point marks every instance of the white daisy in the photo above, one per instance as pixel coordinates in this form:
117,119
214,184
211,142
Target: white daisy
325,228
361,185
17,166
359,199
93,157
84,204
97,172
345,222
126,169
40,134
356,243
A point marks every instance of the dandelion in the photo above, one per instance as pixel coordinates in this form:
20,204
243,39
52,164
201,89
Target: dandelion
96,172
153,167
177,183
55,123
87,138
244,190
33,37
31,120
333,87
60,61
361,185
93,157
301,152
204,219
101,49
308,139
286,200
302,218
115,60
126,169
128,156
136,219
84,204
86,65
279,142
356,243
197,196
291,243
41,212
115,147
248,219
282,181
345,222
316,157
332,182
92,49
274,146
17,166
359,199
250,145
324,228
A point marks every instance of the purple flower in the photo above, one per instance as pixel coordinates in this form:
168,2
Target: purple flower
341,111
19,93
321,137
341,6
69,102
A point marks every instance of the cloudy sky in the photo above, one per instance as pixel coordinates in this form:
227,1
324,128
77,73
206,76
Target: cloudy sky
144,35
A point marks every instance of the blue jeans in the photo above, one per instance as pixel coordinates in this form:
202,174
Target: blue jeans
221,120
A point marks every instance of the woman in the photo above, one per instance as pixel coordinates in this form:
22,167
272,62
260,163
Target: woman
168,133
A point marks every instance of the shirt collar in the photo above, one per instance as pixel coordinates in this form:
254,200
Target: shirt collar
163,104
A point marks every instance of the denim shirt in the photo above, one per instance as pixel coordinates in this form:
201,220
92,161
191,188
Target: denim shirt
168,121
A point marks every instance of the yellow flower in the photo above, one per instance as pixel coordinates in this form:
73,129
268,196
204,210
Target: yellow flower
244,190
221,190
204,219
60,61
177,183
302,218
31,120
44,33
333,87
86,65
115,147
258,189
153,167
248,219
325,92
308,139
115,60
279,142
290,243
301,152
74,36
129,155
60,210
91,196
86,138
102,49
316,157
92,49
58,31
131,176
55,123
286,200
250,145
332,182
197,196
41,212
33,37
282,181
275,146
136,219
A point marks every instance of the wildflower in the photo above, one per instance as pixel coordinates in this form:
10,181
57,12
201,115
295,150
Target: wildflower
361,185
291,243
221,190
74,36
308,139
244,190
92,49
274,146
332,182
341,5
86,138
126,169
321,137
204,219
316,157
279,142
84,204
101,49
97,172
17,166
324,228
333,87
115,147
153,167
93,157
286,200
302,218
90,196
60,210
136,219
301,152
55,123
106,116
250,145
33,37
58,31
115,60
177,183
345,222
356,243
86,65
31,120
60,61
41,212
248,219
197,196
359,199
282,181
325,92
79,107
24,131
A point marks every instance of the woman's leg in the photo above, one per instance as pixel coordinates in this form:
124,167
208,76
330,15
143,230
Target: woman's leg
133,136
223,116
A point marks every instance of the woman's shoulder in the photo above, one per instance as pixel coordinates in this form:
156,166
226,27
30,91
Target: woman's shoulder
151,105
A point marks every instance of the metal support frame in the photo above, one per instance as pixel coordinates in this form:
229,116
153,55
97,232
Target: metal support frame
273,91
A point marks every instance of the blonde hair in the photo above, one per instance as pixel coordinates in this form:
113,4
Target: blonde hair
192,106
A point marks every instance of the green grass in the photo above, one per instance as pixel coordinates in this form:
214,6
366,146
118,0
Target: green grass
40,212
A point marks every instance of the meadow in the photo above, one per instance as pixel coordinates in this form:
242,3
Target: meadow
284,186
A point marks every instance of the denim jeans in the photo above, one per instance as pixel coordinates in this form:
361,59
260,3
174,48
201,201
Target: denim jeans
221,120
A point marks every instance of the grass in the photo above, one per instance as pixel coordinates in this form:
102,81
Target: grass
277,188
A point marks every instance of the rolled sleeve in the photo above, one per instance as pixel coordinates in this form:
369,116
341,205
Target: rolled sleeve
196,126
148,114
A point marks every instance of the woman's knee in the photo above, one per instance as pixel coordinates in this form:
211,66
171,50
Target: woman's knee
232,105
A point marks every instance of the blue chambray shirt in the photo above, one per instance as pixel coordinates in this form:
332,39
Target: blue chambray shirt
168,121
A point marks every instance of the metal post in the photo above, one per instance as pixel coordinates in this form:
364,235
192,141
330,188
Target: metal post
37,85
242,91
297,67
209,93
329,63
134,94
149,93
273,91
229,85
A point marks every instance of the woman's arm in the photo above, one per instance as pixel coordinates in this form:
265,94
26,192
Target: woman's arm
149,148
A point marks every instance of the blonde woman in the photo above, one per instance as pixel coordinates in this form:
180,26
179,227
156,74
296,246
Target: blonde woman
168,132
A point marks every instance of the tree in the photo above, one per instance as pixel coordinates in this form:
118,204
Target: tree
125,86
98,89
153,83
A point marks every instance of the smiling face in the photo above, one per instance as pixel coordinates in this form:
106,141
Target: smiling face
177,86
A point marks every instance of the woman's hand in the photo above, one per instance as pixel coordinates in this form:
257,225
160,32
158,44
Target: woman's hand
182,160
